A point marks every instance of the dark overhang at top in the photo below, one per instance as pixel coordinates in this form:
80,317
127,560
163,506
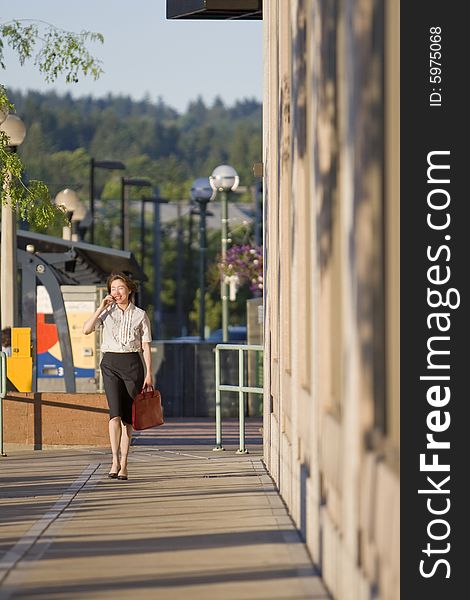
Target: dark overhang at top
214,9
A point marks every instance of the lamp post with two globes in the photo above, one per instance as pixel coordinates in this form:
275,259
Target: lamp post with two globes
14,128
224,179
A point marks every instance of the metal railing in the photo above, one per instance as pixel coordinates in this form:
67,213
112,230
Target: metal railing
241,388
3,392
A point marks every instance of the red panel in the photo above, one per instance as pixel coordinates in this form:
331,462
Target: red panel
47,334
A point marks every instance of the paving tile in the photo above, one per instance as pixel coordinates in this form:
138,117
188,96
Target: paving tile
189,523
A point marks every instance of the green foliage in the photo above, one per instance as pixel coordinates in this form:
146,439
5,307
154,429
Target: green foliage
32,202
5,104
151,138
56,53
64,133
213,311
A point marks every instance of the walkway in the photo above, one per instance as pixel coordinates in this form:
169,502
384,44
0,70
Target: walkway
189,523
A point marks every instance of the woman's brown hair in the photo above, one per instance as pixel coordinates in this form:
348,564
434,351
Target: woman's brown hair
130,283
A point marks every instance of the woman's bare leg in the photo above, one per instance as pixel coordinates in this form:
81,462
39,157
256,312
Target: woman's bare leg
125,443
115,439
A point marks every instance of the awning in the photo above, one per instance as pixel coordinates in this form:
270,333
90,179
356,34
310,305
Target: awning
80,262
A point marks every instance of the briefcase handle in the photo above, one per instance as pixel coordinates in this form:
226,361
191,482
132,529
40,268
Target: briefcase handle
148,389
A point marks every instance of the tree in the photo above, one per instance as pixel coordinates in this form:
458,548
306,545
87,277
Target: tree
56,53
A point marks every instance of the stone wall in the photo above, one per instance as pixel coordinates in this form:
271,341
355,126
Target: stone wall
331,210
41,420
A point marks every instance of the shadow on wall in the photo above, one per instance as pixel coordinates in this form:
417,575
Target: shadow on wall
363,141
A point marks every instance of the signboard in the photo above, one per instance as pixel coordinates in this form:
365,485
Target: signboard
49,357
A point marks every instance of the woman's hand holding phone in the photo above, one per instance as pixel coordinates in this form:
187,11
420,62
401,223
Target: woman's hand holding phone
107,301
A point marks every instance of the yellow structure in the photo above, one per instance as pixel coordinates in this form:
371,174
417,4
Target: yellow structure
20,363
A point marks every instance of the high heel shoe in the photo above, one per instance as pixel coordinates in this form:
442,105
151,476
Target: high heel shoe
122,477
112,474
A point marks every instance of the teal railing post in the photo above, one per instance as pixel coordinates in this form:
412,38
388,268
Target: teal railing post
218,408
3,391
241,388
241,401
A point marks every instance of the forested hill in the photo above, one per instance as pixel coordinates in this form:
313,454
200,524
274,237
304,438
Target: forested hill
151,138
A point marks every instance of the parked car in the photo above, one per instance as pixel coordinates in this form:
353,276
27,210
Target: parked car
236,333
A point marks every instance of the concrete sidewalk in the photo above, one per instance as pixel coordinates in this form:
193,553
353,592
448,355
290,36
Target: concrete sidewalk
189,523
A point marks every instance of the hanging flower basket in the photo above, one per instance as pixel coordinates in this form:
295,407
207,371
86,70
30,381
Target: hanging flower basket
243,265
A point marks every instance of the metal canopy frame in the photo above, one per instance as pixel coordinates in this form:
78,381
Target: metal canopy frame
35,268
80,262
214,9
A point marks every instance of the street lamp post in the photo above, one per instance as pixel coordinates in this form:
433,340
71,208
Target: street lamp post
75,210
128,182
224,179
14,127
156,201
202,193
99,164
157,241
189,261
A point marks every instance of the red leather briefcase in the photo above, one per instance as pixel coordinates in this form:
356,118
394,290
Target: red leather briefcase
147,409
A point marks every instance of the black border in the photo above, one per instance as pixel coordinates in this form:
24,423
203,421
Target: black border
426,128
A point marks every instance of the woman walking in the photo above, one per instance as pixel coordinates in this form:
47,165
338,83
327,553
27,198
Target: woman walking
126,339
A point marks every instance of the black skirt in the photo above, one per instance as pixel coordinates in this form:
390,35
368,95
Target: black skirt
123,378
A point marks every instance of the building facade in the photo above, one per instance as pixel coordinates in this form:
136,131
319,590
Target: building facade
331,222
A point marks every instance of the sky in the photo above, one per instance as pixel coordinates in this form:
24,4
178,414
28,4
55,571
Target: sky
144,53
